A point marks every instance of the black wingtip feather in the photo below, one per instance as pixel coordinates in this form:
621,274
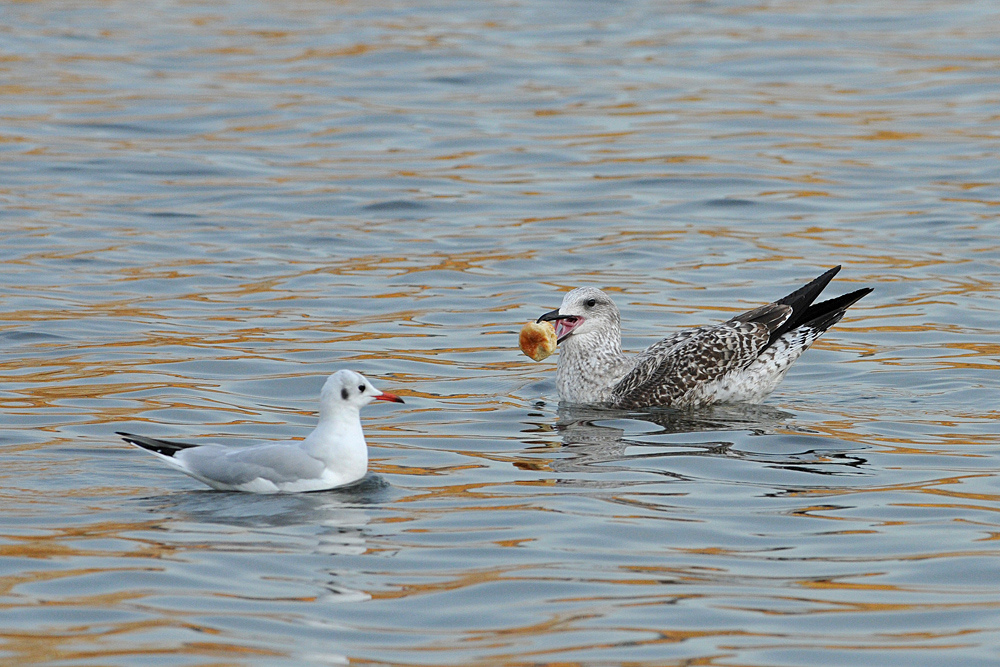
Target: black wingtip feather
805,295
801,302
825,314
165,447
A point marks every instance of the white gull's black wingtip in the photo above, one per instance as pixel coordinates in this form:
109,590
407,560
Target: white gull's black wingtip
164,447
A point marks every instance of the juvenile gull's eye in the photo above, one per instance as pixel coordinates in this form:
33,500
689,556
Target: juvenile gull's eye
591,303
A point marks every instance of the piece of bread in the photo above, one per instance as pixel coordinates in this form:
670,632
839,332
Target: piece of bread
537,340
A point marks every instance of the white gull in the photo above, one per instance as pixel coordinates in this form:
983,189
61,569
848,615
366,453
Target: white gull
741,360
334,454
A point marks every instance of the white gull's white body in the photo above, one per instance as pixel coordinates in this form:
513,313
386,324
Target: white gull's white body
334,454
741,360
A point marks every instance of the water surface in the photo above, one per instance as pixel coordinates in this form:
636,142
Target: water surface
209,207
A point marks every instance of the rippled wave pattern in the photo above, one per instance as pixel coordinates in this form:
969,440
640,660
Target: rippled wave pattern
209,207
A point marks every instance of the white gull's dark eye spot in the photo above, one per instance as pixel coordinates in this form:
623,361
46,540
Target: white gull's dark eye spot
361,388
344,394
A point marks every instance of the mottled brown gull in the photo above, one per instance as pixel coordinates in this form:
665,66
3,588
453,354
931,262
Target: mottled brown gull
334,454
740,360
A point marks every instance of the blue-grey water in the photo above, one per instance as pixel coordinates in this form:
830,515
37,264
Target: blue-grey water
207,207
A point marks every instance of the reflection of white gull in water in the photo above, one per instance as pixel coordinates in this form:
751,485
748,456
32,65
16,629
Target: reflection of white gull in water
741,360
334,454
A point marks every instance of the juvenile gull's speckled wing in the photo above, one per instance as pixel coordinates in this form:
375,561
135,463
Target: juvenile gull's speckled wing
679,370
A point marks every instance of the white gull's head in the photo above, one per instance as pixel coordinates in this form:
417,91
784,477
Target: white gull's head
348,391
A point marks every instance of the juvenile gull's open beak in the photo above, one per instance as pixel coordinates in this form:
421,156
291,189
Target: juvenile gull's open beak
564,324
550,316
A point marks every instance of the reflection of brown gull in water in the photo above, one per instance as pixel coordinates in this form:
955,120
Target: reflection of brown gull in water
741,360
593,437
577,421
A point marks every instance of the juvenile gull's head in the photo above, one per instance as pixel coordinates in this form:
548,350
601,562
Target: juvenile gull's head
585,310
